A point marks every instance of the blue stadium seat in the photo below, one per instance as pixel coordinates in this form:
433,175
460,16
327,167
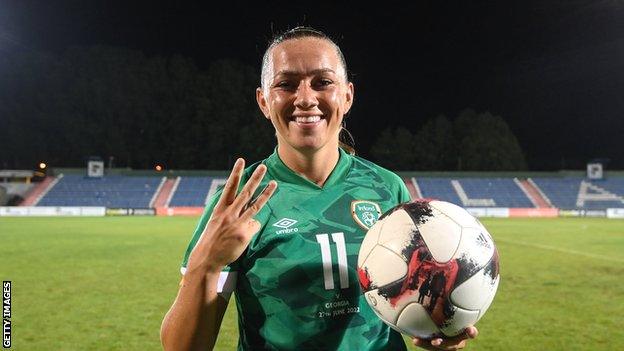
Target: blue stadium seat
475,192
137,192
109,191
193,191
582,193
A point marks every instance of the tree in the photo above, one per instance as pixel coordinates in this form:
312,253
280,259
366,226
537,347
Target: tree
395,149
486,143
434,148
108,101
236,126
474,141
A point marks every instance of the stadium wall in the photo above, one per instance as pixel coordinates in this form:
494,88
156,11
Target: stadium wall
49,211
95,211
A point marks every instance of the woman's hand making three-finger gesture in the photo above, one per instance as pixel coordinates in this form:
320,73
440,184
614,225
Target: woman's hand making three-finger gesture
231,225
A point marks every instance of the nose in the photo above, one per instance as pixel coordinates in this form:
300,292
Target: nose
306,96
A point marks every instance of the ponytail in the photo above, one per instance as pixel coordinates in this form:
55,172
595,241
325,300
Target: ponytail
345,139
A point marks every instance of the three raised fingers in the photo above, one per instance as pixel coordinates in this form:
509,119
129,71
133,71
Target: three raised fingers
243,203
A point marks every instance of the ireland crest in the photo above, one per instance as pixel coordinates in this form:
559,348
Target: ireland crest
365,213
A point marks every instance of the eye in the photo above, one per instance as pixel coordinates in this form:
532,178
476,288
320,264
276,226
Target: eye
323,82
284,84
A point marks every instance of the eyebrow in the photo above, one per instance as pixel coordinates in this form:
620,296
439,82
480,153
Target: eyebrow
297,73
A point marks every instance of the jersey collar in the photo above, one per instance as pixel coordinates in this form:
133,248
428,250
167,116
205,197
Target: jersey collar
281,173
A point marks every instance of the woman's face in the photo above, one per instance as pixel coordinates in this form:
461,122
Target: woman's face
306,94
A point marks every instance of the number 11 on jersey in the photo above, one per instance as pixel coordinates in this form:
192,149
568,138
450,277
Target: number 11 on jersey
326,256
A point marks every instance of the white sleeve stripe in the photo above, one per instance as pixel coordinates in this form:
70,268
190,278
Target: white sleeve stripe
226,283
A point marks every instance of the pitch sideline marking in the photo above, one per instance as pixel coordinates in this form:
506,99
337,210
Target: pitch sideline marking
552,248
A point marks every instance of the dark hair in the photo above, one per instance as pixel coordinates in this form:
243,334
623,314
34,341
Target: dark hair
345,138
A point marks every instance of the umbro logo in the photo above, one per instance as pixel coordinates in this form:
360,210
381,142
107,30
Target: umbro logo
286,224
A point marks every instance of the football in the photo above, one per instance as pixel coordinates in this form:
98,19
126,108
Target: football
428,269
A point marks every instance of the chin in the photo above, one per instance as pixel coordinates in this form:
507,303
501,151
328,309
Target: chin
308,146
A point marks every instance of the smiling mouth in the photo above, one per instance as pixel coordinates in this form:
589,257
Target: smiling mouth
307,119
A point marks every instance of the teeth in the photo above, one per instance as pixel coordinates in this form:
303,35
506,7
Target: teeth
311,119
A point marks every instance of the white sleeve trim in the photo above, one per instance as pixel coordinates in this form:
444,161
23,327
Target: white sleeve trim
226,283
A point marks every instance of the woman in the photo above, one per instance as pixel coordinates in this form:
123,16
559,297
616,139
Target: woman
290,253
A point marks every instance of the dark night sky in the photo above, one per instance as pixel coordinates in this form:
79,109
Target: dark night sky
553,69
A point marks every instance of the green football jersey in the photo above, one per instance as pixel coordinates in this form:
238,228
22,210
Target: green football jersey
296,285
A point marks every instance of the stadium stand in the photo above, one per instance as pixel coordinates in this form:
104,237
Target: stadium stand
163,196
109,191
123,191
581,193
194,191
15,186
412,187
475,192
533,193
10,191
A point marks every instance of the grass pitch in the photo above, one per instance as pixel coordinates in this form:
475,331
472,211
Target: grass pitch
105,283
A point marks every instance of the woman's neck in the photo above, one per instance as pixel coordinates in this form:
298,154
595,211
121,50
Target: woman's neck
316,166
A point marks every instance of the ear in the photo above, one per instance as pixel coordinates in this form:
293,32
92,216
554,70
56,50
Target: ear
262,102
349,97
